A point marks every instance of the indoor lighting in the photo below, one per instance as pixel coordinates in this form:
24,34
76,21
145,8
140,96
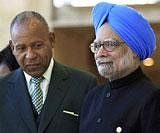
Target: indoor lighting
148,62
86,3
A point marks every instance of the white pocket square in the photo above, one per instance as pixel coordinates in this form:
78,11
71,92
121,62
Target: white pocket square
70,113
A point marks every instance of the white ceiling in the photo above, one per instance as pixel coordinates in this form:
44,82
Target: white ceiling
86,3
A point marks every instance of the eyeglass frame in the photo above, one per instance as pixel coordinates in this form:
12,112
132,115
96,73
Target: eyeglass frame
107,48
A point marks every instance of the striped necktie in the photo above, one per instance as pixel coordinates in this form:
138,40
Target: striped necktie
37,96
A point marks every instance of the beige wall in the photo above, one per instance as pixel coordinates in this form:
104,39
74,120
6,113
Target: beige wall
8,9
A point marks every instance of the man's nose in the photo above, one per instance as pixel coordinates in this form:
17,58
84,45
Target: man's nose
30,53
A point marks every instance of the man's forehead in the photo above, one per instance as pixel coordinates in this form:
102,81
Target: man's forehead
105,31
30,24
31,28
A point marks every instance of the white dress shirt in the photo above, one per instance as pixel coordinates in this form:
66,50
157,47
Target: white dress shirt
44,84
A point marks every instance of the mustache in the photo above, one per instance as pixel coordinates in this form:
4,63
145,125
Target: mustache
100,60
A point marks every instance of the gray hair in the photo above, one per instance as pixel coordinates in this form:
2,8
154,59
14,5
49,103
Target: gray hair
22,17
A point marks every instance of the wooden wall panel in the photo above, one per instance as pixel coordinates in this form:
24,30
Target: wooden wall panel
154,71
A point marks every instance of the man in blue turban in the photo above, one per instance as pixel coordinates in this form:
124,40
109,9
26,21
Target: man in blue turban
128,102
129,25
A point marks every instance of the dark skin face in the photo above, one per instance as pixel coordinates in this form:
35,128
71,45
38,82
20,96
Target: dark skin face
32,46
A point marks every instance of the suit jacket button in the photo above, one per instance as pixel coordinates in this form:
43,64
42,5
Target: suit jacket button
118,130
99,120
108,94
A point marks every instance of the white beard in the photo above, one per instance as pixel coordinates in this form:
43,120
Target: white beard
105,67
113,70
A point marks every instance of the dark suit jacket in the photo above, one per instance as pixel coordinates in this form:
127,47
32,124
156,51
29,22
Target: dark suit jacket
66,91
131,104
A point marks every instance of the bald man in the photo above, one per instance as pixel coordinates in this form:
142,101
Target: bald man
128,102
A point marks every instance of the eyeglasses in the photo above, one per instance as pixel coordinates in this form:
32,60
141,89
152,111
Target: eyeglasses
108,45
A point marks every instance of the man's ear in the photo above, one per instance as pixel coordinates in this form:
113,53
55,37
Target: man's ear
11,45
52,38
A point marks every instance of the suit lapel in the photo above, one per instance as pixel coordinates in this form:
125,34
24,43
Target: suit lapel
22,100
56,93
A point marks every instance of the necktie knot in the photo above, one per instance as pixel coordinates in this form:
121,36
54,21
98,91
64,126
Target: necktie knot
37,80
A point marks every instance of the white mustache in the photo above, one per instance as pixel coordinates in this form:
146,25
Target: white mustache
101,60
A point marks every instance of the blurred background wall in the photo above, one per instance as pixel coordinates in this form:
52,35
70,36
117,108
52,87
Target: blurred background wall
9,9
74,32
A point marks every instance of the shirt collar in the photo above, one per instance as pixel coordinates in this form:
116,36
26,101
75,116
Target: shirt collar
46,75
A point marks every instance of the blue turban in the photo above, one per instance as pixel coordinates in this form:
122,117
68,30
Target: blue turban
128,24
